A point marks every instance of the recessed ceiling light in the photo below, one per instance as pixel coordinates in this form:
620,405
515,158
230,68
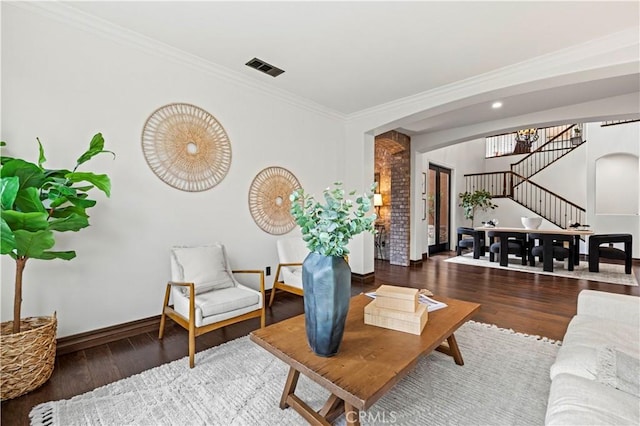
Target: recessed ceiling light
496,105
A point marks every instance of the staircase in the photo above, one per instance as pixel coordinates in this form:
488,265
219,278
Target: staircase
557,147
515,183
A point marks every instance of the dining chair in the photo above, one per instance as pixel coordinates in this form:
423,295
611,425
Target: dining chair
549,247
597,250
476,242
510,243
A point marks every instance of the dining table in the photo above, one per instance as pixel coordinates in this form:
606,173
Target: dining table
576,233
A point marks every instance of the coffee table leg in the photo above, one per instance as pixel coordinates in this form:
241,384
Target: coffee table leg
452,350
332,409
352,415
289,387
455,351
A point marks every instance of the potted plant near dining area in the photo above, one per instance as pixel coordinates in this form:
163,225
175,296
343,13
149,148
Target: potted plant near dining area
472,201
326,276
35,204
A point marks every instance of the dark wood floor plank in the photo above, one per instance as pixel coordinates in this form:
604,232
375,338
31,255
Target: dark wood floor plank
126,358
102,366
528,303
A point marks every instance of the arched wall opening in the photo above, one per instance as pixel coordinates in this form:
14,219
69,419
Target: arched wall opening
617,184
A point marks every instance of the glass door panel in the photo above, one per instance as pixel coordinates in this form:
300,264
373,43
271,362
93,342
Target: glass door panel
443,205
431,208
438,197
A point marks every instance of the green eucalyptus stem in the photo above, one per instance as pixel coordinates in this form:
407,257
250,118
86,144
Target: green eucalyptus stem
328,227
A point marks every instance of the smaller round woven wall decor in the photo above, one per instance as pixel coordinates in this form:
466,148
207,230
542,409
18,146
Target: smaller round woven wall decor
186,147
269,200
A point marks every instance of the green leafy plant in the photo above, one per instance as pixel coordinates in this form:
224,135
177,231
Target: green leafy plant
328,228
471,201
36,202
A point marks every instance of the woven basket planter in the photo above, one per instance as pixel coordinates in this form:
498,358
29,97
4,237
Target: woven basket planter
27,358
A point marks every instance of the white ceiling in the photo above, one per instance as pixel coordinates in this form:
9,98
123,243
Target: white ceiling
351,56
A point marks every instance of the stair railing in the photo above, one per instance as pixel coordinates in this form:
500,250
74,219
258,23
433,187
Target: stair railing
558,146
553,207
498,184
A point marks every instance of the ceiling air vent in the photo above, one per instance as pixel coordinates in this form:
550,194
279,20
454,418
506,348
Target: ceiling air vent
266,68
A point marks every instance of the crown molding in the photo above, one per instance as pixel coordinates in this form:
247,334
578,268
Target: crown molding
545,66
69,15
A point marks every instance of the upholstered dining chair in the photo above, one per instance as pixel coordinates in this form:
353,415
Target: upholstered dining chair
510,243
551,246
476,242
206,295
291,254
597,250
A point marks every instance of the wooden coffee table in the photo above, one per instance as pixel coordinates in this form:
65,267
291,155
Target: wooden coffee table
371,359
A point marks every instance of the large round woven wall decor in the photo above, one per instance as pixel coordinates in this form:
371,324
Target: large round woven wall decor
186,147
269,200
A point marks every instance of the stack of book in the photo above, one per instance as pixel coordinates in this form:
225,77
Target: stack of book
397,308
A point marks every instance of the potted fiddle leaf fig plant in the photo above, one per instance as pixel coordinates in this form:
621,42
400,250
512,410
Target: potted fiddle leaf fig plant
471,201
36,203
327,228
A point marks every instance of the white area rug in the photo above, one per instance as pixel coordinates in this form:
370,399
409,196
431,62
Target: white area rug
609,273
505,381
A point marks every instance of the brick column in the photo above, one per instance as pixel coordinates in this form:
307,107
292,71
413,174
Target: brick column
397,150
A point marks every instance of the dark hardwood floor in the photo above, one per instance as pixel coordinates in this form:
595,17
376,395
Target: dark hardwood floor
528,303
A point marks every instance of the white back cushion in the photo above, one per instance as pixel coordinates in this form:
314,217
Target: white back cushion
292,250
205,266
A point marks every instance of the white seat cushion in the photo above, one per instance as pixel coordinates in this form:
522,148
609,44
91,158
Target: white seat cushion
585,335
226,300
292,276
575,400
205,266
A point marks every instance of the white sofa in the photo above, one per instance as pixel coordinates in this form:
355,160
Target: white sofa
596,372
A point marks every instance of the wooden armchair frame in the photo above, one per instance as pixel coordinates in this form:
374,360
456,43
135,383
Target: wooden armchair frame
190,323
280,285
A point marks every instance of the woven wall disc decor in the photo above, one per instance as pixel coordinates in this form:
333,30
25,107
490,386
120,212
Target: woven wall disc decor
186,147
269,200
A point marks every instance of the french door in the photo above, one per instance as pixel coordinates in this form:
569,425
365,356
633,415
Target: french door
438,200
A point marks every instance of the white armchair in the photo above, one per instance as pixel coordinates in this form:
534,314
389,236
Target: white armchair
206,295
291,254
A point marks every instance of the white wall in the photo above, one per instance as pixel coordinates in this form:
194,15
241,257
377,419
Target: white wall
63,85
604,141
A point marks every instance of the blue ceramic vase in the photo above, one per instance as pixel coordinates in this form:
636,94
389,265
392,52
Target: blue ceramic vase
326,281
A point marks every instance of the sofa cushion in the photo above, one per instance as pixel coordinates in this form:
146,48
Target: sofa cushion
619,370
585,335
575,400
226,300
